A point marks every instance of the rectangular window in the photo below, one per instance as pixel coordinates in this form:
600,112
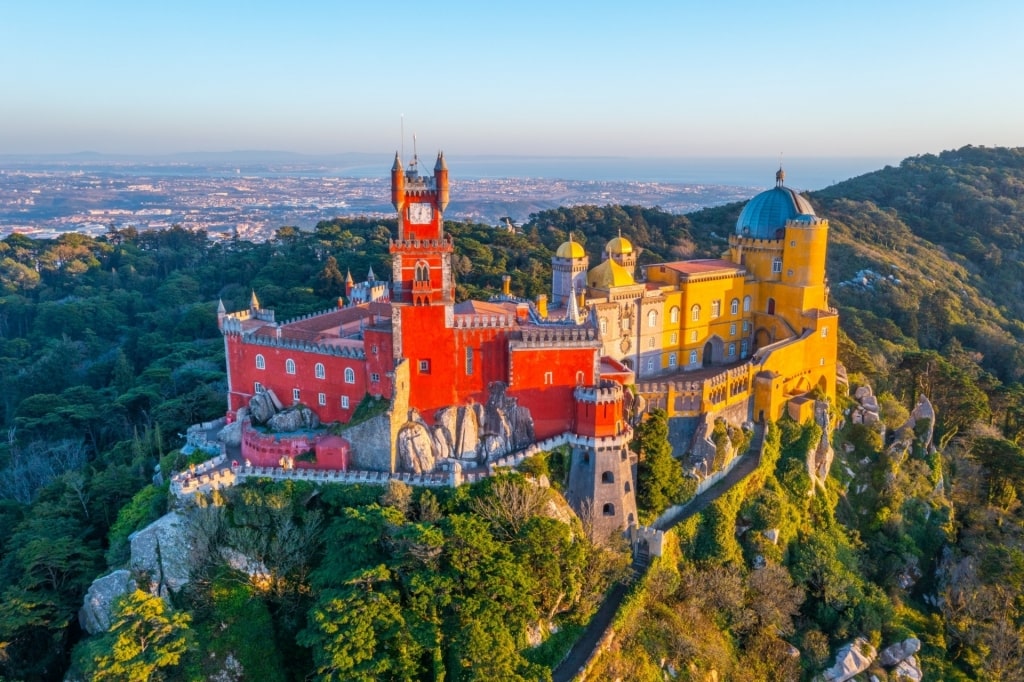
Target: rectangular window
373,349
344,402
650,365
674,338
693,335
321,399
824,332
549,378
424,366
732,329
744,348
732,350
777,265
295,395
374,377
257,387
469,361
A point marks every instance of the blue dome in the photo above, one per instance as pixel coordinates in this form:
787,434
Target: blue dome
769,211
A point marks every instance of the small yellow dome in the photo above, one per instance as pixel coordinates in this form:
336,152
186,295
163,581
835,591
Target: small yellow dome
571,249
609,274
620,246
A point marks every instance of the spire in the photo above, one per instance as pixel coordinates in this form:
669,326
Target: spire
780,176
441,163
573,313
348,277
221,310
370,277
397,166
254,303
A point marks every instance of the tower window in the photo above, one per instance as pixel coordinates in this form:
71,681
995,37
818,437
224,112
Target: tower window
261,362
319,370
607,477
695,313
289,366
608,509
350,375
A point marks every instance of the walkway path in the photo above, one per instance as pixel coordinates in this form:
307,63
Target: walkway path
583,650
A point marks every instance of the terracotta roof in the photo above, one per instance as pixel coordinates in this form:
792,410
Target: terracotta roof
701,267
484,308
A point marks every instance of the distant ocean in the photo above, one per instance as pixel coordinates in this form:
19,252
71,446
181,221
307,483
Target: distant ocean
805,173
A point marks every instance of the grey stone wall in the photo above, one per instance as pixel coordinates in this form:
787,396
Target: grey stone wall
371,444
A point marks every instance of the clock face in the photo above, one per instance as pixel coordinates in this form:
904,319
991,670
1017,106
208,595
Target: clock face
420,214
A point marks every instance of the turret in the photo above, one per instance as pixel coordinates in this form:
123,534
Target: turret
397,184
221,313
254,303
349,283
441,181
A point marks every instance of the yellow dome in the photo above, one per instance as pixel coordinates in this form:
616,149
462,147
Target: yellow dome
619,246
571,249
609,274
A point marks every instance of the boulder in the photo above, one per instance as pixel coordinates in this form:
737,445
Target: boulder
162,552
94,616
415,448
244,563
908,670
819,460
263,406
232,433
851,660
900,651
294,418
862,392
772,535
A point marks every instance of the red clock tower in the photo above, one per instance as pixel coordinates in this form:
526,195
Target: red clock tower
421,257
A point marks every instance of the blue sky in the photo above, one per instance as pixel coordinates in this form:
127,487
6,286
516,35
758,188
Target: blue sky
665,79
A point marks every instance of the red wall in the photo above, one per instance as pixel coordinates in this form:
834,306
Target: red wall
598,420
381,362
266,449
551,405
242,360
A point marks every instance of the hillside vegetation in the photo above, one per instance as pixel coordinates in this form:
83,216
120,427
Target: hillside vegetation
109,350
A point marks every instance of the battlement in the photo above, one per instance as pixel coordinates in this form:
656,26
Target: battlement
607,392
445,245
556,337
482,321
343,351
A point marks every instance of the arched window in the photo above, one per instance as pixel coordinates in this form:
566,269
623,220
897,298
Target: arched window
673,315
289,366
734,307
746,304
608,509
627,488
693,357
422,271
320,371
350,375
607,477
695,313
716,309
652,319
261,362
650,342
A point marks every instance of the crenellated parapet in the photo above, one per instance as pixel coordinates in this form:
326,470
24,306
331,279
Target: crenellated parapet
482,321
556,337
607,392
344,351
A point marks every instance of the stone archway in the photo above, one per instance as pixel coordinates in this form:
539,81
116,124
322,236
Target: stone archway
714,351
762,337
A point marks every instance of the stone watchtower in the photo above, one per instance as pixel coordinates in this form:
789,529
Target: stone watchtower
601,473
568,272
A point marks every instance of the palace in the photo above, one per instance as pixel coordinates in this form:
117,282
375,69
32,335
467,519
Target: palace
467,383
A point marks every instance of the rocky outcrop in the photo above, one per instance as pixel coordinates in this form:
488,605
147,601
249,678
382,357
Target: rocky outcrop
294,418
919,429
819,460
866,412
893,655
231,434
161,552
415,446
94,616
851,660
908,670
475,433
263,406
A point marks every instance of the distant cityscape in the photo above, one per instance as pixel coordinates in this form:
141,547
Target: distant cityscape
45,202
